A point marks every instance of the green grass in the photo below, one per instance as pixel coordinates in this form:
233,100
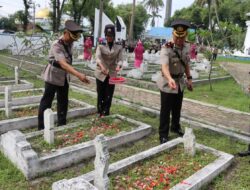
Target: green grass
226,93
233,60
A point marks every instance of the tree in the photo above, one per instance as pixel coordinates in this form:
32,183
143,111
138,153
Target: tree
77,9
154,6
141,17
131,25
58,8
26,15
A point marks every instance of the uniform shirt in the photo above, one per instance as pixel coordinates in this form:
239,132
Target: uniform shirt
169,57
57,52
110,59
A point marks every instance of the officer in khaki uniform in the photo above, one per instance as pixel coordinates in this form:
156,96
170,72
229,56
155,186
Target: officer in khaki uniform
174,58
60,58
109,62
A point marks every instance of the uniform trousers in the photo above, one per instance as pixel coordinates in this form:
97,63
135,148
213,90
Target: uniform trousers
170,103
47,99
105,93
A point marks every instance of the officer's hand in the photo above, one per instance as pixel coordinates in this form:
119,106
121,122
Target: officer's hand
83,78
190,85
171,83
104,71
118,68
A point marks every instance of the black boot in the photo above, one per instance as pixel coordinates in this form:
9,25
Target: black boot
163,140
178,131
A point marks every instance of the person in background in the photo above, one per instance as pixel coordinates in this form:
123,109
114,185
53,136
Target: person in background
174,59
193,51
215,52
60,56
109,62
87,52
139,50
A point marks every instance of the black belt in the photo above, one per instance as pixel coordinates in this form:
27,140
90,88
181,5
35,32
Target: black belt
55,64
176,76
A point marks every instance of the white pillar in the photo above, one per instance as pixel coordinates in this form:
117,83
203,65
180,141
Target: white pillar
189,141
49,123
247,39
8,101
16,75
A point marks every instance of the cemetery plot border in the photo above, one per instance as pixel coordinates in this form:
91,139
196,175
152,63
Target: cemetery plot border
195,181
15,146
31,121
24,84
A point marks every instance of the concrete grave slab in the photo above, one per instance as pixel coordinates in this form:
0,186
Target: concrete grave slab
31,121
24,84
194,182
24,100
14,144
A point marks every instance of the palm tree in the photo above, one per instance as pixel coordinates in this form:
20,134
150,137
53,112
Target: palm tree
153,6
131,26
211,4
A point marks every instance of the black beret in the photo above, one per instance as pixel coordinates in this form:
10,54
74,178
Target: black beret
180,22
180,27
109,29
72,26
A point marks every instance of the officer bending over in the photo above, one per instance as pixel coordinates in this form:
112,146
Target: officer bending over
56,74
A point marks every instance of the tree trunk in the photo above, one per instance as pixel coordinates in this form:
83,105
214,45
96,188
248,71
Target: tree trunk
131,27
26,15
100,19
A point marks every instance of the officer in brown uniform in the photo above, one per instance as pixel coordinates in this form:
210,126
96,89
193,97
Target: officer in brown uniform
174,59
60,56
109,62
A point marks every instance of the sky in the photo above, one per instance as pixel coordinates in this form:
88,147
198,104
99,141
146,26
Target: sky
9,7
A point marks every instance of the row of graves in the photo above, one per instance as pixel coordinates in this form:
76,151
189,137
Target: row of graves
150,69
36,152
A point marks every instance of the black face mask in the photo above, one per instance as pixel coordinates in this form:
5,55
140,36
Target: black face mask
110,44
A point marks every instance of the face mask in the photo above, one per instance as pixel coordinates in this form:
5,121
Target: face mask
75,36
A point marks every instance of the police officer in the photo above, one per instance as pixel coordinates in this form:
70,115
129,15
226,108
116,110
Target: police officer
109,62
60,56
174,58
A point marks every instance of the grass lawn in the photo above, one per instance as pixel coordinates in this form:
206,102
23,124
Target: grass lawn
235,178
226,93
234,60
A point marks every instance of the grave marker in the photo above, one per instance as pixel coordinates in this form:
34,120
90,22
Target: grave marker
49,126
101,180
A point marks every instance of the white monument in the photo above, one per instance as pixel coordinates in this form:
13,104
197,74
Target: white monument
247,39
49,123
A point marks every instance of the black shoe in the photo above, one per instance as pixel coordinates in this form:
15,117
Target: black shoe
163,140
178,131
242,154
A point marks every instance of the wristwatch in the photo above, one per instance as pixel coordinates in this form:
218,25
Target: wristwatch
189,77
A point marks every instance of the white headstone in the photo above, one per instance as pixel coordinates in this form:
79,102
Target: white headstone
8,101
101,180
189,141
144,67
247,39
49,126
16,75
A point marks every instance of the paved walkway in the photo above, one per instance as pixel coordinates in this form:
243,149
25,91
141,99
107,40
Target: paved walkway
207,112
